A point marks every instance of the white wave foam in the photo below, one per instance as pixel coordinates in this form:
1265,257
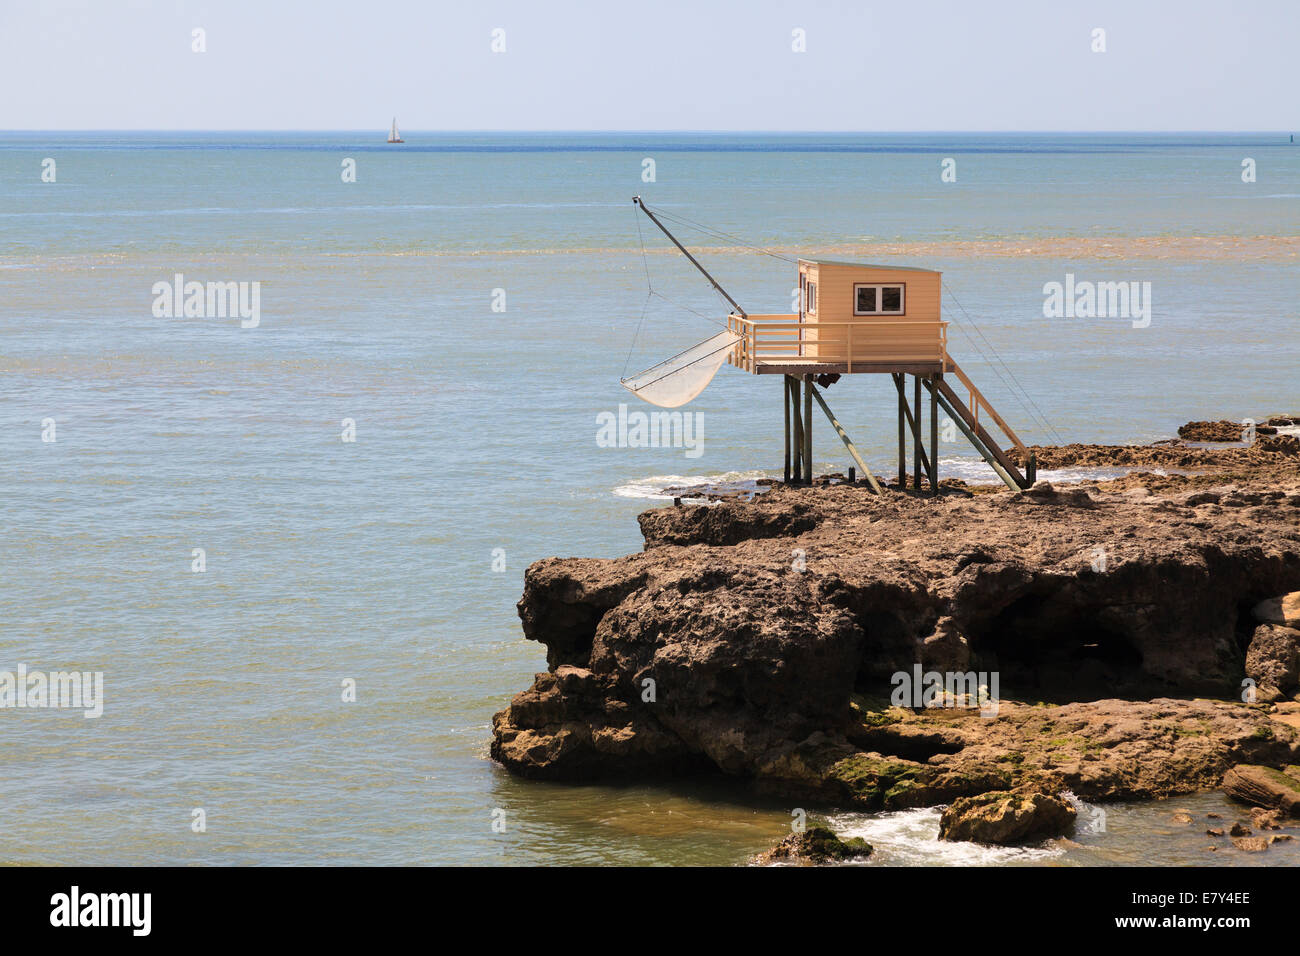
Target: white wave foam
911,838
977,470
744,482
1088,818
974,470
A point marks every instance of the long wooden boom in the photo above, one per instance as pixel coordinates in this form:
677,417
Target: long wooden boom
695,262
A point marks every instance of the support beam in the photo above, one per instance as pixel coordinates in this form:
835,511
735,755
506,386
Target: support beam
916,432
947,394
785,418
905,417
844,437
807,429
971,437
934,439
796,423
902,435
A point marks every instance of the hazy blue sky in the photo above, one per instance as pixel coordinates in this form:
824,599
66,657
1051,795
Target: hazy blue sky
661,64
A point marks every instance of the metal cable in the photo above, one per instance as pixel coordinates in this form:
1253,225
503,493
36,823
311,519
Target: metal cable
1036,413
719,234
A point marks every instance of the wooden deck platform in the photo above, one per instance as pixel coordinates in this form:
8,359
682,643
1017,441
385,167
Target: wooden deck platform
787,345
817,367
800,350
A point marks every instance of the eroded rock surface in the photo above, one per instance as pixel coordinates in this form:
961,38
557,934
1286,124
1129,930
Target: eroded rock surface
1220,431
1273,661
761,639
1266,787
1283,610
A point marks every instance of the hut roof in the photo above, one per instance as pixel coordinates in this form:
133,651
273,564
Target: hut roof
869,265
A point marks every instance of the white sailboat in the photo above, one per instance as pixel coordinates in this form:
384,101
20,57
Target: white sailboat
393,135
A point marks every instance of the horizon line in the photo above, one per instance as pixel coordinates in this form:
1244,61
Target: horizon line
701,132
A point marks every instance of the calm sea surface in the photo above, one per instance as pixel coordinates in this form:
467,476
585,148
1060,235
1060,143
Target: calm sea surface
376,560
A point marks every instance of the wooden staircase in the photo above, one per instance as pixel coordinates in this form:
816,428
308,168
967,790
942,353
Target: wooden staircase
966,415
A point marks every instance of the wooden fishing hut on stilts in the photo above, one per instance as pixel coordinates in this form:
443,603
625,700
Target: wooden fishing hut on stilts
853,318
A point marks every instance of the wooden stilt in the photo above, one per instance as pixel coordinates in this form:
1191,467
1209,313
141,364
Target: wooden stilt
785,418
807,429
915,427
792,389
916,432
902,436
844,437
934,439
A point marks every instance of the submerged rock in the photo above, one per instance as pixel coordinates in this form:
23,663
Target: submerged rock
813,847
1003,818
1251,844
1262,819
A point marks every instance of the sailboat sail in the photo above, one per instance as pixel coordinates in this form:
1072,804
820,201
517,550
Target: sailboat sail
393,135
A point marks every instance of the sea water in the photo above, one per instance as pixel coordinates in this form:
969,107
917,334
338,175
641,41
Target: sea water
293,550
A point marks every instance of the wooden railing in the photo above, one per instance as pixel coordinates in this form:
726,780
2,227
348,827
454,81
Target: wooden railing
773,338
976,402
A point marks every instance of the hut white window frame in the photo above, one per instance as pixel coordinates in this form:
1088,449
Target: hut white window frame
810,296
902,297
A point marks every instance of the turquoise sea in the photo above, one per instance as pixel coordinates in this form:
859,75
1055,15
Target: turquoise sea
469,303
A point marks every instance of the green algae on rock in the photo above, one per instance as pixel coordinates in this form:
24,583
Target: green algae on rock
813,847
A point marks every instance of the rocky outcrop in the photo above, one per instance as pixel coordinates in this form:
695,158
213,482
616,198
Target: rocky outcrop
1212,431
764,639
1283,610
1224,431
722,527
814,846
1265,787
1100,750
1274,453
1273,661
1004,818
567,725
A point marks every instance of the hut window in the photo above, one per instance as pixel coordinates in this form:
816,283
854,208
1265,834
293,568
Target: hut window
810,300
877,299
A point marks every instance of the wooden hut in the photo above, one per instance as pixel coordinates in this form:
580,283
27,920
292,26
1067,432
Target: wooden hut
861,317
852,318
